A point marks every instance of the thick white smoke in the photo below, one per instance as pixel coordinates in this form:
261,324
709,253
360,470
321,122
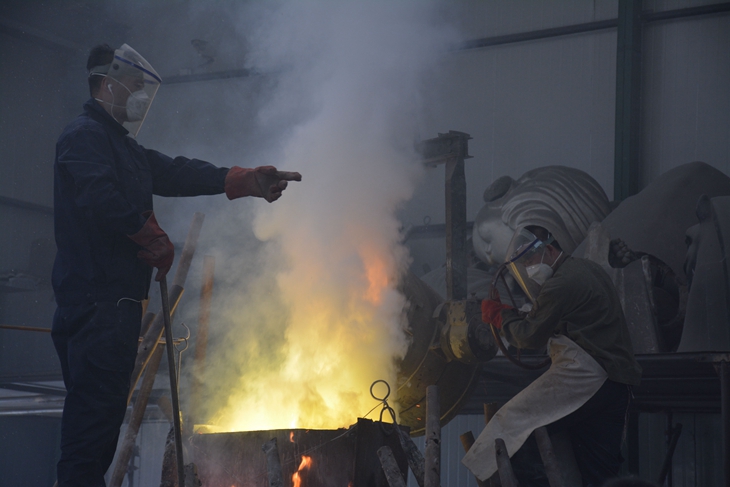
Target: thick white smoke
322,319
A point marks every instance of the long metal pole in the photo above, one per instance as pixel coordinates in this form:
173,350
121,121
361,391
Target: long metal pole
725,410
173,384
432,477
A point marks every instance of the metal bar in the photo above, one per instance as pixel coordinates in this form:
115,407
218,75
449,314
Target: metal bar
48,390
582,28
716,8
390,467
153,335
467,441
628,91
413,455
201,338
725,408
632,442
432,457
504,466
539,34
547,454
26,205
174,392
25,328
667,466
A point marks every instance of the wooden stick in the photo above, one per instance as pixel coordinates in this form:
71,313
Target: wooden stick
390,467
201,339
273,463
135,419
432,477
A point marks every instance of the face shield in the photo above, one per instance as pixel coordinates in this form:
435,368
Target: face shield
138,77
525,253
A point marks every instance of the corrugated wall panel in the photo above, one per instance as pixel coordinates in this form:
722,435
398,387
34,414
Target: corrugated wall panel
686,100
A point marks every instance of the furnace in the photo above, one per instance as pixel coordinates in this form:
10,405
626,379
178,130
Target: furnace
345,457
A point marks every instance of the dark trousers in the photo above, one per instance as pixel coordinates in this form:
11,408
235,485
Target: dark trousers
97,345
595,430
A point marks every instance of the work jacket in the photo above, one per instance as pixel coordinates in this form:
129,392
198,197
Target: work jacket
103,183
580,302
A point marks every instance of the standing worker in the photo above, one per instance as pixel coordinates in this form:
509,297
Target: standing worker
576,312
108,241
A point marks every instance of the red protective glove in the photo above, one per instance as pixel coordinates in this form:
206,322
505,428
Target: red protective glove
157,250
492,312
264,181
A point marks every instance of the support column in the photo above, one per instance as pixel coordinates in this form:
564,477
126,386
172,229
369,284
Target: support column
628,100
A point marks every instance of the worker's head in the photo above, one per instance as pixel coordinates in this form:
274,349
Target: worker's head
534,255
123,82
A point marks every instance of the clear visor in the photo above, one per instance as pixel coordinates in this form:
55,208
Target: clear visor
522,248
130,69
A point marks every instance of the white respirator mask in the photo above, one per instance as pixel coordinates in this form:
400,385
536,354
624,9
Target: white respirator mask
137,104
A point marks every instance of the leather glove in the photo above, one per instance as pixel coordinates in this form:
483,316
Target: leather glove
492,312
157,249
264,182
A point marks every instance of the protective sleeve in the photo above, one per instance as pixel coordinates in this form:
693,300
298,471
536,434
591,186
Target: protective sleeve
532,330
86,157
184,177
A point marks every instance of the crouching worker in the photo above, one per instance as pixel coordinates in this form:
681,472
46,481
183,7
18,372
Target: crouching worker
586,391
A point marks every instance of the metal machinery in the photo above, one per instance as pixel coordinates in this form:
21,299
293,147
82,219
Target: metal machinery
448,339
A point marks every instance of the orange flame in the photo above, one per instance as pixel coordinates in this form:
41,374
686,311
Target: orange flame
291,437
305,464
376,272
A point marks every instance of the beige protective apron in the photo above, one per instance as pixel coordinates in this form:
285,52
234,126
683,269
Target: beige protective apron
572,379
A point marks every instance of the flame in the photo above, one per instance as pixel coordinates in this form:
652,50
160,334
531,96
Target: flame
306,463
343,331
291,437
317,317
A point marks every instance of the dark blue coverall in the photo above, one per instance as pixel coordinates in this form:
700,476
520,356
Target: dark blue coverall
104,181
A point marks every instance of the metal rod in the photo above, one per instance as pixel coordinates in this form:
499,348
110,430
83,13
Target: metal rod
681,13
547,454
201,338
666,467
414,456
725,408
582,28
504,466
25,328
153,335
390,467
628,90
135,419
173,384
467,441
432,457
539,34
